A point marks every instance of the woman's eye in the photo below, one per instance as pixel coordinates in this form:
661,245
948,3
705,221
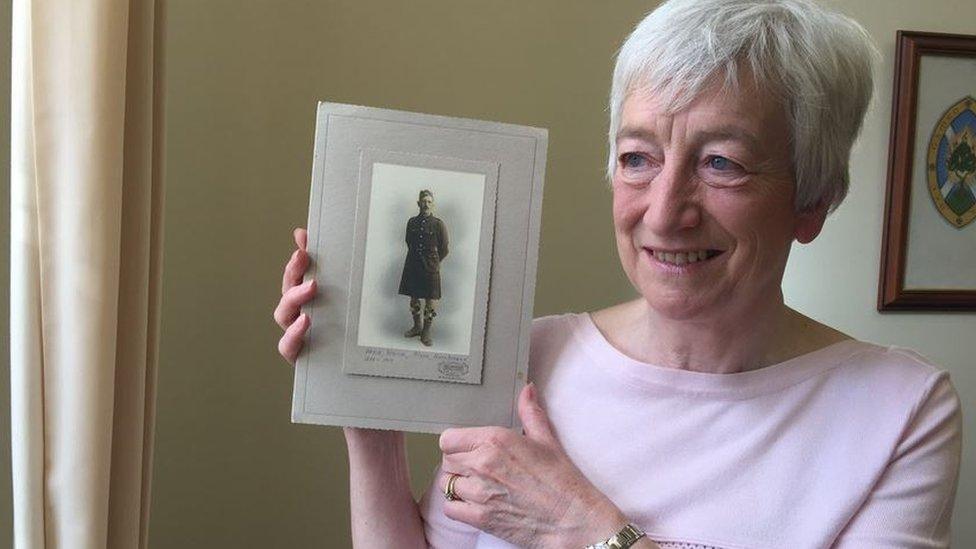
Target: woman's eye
720,163
632,161
721,171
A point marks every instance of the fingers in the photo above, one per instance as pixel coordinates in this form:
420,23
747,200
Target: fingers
294,270
294,294
467,439
457,463
468,513
291,302
291,343
470,505
466,488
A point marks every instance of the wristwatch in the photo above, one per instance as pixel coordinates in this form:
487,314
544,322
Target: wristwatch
621,540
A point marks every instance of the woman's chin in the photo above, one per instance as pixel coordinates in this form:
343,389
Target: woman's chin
678,307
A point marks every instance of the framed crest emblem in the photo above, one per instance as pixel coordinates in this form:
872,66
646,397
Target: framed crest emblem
928,251
952,163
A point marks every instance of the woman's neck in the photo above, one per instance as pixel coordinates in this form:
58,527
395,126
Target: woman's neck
736,342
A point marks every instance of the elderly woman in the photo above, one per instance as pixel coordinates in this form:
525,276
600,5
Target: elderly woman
705,412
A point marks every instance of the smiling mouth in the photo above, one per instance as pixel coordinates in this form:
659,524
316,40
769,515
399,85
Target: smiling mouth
683,258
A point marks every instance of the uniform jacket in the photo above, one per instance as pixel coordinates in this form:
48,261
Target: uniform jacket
426,238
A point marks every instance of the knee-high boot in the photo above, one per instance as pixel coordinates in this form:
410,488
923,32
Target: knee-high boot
417,327
425,332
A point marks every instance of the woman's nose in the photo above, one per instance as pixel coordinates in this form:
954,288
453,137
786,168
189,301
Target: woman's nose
673,203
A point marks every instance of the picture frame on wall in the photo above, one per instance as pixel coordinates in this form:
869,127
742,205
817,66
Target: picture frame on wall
423,235
928,252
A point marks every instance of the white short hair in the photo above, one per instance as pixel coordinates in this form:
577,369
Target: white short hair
817,62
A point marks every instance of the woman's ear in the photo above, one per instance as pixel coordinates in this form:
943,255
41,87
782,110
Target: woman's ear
809,223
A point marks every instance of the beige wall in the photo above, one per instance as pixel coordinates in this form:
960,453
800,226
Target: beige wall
244,75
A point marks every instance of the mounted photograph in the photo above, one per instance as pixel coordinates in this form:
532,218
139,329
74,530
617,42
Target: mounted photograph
423,237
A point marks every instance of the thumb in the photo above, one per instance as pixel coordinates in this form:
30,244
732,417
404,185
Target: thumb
535,422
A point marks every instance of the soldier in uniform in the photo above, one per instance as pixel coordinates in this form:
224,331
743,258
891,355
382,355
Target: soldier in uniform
426,247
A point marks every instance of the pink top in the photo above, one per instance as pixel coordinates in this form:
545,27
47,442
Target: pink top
852,445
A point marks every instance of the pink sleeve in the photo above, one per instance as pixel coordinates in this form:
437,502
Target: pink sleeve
441,531
911,504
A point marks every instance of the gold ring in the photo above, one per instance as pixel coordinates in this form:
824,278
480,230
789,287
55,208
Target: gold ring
449,493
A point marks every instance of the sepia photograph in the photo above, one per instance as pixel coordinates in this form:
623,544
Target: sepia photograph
421,268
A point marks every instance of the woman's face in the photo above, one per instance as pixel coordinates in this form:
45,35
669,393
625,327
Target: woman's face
703,203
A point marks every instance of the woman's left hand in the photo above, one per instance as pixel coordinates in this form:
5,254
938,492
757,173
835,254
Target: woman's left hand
523,488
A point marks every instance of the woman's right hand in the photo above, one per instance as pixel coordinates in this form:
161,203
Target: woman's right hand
288,315
294,294
379,483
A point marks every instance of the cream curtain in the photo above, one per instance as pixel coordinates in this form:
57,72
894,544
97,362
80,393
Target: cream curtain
86,203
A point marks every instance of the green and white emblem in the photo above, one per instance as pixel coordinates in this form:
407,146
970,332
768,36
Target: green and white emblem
952,163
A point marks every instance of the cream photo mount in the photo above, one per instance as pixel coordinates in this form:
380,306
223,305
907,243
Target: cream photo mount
485,179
